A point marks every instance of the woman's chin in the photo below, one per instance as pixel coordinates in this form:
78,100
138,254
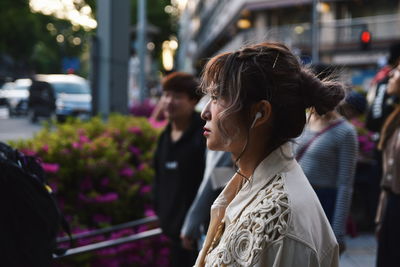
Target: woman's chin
212,146
216,146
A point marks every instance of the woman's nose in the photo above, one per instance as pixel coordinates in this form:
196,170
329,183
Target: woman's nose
205,113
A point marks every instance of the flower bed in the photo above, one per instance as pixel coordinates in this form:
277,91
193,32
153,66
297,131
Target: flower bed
101,175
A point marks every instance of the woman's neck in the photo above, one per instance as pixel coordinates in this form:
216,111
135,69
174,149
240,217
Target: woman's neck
254,154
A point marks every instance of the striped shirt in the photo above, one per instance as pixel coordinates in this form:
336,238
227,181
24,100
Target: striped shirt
330,162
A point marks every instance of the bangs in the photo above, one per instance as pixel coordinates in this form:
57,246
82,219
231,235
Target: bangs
213,77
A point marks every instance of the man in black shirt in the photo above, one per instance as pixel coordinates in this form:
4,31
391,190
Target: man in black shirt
179,161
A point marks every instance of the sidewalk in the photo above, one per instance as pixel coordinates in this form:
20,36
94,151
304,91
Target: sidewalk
360,252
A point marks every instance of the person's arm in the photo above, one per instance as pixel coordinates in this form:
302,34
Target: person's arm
347,158
198,213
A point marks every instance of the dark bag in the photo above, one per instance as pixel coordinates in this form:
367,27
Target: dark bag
381,107
30,218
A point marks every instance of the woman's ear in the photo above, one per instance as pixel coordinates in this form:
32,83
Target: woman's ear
261,112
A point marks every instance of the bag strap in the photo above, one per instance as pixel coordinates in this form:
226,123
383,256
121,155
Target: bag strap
307,145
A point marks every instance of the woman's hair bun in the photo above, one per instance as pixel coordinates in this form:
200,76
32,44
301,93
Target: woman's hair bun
323,95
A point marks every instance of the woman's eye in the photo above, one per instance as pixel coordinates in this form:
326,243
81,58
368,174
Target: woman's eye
214,97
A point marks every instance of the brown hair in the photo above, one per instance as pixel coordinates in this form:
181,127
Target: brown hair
389,127
182,82
269,71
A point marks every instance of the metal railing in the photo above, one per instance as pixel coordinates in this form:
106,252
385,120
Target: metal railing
113,242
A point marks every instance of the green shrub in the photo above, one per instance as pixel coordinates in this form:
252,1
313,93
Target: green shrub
101,174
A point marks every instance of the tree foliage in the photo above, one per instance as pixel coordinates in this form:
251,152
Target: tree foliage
30,39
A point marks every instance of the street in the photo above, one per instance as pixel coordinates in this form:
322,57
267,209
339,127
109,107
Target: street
17,128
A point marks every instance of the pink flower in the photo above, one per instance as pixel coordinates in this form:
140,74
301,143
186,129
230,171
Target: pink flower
28,152
50,167
101,218
135,130
127,171
141,167
121,233
145,189
45,148
84,139
107,251
76,145
149,212
142,228
109,197
134,150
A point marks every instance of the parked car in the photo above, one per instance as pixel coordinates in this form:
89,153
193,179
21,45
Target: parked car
72,93
16,94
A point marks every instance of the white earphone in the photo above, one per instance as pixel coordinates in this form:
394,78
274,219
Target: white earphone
258,115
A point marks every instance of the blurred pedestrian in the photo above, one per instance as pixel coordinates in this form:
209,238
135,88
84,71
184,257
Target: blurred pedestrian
354,105
327,152
366,181
41,101
268,214
381,104
179,160
219,169
388,216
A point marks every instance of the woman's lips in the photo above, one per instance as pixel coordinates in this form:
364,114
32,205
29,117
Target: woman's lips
206,132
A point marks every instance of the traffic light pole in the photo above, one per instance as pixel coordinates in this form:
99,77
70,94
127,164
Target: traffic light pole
113,53
315,33
142,49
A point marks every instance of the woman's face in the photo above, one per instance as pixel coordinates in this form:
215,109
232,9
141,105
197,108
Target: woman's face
215,139
394,82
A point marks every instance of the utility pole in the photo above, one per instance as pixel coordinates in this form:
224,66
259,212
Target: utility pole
315,33
113,49
142,49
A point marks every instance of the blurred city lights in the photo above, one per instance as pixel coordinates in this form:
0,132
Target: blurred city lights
169,9
244,23
181,4
65,9
60,38
151,46
299,29
168,50
173,44
76,41
323,7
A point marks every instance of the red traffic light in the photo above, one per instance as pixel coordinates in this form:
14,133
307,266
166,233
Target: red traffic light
365,37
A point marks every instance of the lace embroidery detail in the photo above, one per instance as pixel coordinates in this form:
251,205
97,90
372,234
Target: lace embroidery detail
264,220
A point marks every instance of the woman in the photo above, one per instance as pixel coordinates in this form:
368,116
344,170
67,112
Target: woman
327,152
388,216
268,214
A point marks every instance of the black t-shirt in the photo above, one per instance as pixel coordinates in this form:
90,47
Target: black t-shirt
179,170
381,107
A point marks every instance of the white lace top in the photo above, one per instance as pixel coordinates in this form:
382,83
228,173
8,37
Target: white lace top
275,220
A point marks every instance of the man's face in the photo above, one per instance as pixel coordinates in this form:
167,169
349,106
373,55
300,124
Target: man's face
177,105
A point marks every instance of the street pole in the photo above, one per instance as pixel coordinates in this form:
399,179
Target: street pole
142,49
113,43
315,33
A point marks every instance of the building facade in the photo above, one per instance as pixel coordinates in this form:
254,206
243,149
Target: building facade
208,27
